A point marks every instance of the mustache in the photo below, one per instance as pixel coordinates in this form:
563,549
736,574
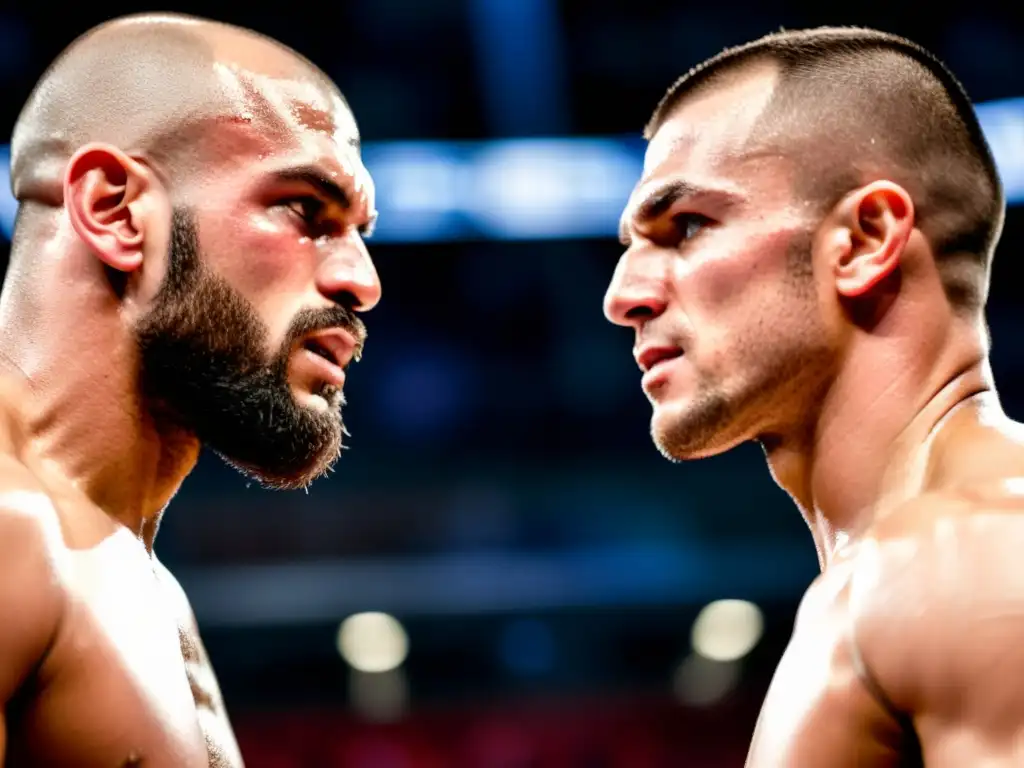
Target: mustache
313,320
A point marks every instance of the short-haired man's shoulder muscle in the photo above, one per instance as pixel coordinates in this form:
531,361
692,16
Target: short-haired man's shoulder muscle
912,639
938,602
821,709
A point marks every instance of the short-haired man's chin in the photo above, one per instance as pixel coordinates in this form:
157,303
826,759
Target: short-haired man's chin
678,444
669,450
282,476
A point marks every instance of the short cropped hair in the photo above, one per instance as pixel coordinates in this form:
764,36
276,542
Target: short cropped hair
852,103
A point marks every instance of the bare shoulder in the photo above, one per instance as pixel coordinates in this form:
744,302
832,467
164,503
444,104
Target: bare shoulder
176,596
30,575
213,716
967,531
31,552
938,586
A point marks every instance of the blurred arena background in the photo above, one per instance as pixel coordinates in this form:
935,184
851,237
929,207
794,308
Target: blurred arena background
503,572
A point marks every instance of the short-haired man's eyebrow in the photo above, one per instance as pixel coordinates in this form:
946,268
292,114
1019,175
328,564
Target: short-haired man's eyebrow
662,198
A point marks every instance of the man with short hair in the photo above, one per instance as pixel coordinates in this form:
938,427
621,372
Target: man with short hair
807,264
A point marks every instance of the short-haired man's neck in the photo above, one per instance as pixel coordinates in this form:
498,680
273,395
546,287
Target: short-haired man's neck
62,332
868,446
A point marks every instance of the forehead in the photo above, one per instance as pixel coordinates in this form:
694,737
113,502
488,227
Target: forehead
297,105
290,113
709,135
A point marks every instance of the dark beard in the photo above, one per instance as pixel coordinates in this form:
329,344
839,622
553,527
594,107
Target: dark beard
204,367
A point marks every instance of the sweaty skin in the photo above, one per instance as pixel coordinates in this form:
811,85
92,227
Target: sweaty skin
907,649
103,664
874,402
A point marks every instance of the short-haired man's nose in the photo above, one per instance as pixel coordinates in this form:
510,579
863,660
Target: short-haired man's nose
633,296
350,274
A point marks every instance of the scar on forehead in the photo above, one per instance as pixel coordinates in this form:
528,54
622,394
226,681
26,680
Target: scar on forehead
255,104
319,120
313,118
282,115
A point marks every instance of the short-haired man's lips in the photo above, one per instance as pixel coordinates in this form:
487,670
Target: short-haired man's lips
648,356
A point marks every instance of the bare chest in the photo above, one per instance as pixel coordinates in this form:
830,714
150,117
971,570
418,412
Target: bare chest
818,711
113,691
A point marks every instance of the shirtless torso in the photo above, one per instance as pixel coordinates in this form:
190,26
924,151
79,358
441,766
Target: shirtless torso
102,661
909,649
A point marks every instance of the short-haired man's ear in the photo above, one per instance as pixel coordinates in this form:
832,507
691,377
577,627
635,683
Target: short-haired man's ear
103,189
876,222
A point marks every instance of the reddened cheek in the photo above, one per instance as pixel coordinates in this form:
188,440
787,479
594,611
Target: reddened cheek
259,254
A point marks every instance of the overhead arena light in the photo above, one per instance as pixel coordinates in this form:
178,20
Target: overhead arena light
727,630
542,189
373,642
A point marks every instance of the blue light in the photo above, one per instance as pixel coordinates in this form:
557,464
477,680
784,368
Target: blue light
1003,123
516,189
8,205
542,189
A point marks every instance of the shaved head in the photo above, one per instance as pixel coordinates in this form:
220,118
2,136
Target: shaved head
148,84
200,187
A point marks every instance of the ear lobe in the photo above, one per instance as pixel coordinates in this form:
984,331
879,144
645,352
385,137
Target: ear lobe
102,190
879,219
